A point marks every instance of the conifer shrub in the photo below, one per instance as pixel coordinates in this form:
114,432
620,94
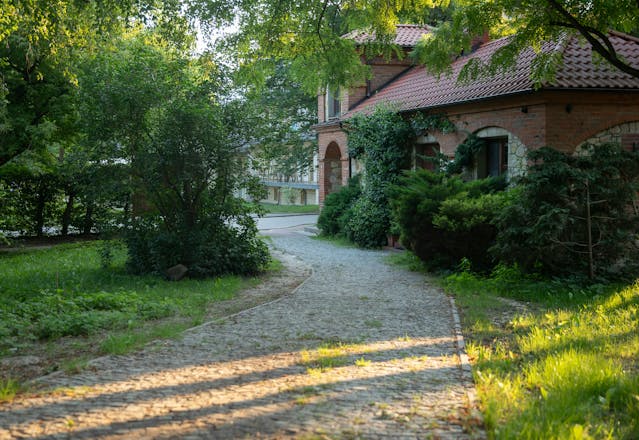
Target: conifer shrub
444,219
574,214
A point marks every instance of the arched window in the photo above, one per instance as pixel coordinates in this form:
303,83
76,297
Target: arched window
492,160
425,149
502,154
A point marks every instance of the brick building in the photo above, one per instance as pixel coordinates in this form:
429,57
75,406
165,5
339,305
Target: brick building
588,101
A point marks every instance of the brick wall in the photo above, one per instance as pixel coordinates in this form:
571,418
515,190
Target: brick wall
321,113
327,135
560,119
573,117
383,73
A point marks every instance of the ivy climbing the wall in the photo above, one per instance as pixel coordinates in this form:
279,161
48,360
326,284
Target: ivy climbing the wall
465,155
428,123
381,140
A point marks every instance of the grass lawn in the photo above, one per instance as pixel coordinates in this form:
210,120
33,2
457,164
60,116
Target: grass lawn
336,240
290,209
59,303
551,360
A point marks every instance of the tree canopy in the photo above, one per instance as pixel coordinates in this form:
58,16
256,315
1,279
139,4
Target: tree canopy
308,33
531,23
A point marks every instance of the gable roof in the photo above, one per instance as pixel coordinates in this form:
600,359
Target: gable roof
419,89
406,35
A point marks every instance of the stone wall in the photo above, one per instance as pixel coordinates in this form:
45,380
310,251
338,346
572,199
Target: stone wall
624,134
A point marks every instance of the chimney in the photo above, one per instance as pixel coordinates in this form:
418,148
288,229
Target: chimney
479,41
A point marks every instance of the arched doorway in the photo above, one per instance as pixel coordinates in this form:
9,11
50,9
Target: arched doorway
332,168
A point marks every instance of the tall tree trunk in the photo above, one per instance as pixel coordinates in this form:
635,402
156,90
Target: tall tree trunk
66,215
88,219
39,214
591,264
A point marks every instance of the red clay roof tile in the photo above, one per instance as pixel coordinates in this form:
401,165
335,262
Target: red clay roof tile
418,89
407,35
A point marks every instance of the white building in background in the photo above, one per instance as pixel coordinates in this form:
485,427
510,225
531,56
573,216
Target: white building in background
300,188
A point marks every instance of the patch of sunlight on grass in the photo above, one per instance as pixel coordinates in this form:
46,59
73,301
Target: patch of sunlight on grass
122,343
9,388
566,367
361,362
329,355
564,373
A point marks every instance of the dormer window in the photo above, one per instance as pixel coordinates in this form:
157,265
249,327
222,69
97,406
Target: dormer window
333,105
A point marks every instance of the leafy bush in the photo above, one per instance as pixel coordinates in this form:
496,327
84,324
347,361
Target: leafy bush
560,197
444,219
381,140
332,217
367,223
209,252
189,177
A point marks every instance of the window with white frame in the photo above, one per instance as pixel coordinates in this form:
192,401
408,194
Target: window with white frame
332,104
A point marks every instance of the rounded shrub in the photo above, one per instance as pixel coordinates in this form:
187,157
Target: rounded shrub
333,217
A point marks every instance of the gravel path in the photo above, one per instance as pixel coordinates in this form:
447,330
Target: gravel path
360,350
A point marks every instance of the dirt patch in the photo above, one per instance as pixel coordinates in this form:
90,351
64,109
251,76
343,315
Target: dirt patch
269,287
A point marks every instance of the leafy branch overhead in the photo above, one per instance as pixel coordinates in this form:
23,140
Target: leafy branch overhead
281,116
530,23
309,33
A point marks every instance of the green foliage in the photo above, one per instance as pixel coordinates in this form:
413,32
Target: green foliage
367,223
435,122
31,189
309,34
279,124
444,219
182,146
65,291
8,389
547,228
465,154
530,23
41,43
564,367
334,215
381,140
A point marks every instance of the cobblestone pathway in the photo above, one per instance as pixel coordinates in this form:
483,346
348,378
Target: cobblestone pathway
360,350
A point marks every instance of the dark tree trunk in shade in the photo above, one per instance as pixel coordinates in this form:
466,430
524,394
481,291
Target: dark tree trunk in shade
66,215
88,219
39,213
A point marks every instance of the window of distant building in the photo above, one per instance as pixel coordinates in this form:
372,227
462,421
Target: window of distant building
333,104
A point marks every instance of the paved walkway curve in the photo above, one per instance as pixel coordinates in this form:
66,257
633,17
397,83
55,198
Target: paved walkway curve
360,350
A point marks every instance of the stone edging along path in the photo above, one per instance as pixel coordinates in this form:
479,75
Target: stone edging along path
358,350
